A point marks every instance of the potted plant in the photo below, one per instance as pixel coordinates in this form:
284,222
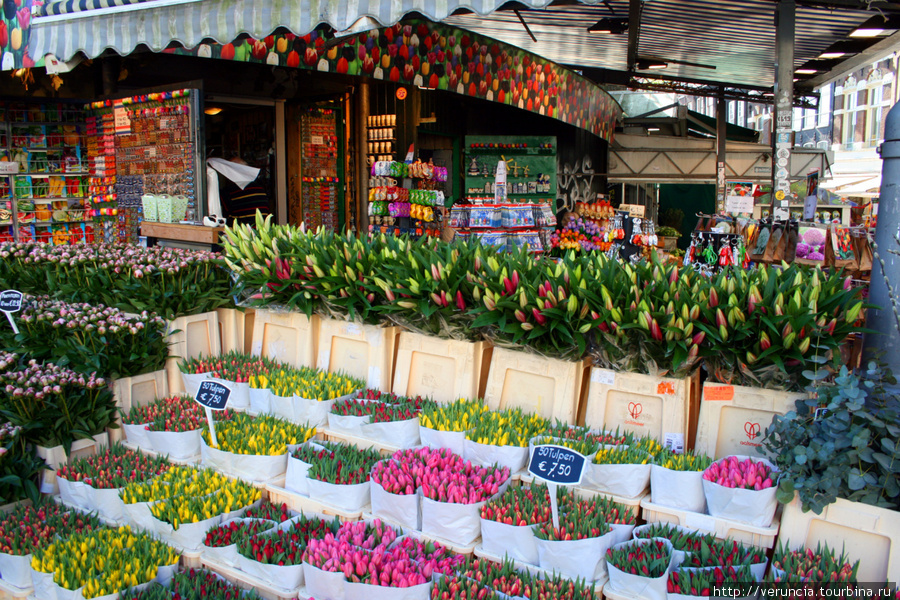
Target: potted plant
668,237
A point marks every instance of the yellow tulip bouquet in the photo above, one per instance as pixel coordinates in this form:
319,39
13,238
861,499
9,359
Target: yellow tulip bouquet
445,425
262,435
501,438
104,561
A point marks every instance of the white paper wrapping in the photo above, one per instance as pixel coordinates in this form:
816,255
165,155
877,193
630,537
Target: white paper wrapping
678,556
500,539
296,479
646,588
363,591
107,503
677,489
137,435
240,394
188,535
753,507
758,570
192,382
627,481
623,532
459,524
402,434
226,555
16,570
323,585
252,467
287,577
165,573
314,412
487,455
454,440
61,593
405,510
75,493
346,497
349,424
180,445
44,588
139,515
260,401
282,406
575,559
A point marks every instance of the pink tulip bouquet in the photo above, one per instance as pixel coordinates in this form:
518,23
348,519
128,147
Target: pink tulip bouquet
741,489
745,474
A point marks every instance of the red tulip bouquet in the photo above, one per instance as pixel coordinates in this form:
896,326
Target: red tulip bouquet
640,568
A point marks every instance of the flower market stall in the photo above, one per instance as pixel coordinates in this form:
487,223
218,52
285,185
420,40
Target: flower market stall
312,482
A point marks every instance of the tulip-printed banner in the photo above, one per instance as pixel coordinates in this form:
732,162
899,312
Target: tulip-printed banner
15,30
435,56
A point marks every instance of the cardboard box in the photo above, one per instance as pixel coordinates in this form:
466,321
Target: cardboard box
362,351
288,337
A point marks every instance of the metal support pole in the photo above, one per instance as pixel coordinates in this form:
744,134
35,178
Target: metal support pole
885,285
784,106
362,164
721,145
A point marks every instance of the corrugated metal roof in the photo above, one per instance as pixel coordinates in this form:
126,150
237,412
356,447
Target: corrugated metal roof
738,38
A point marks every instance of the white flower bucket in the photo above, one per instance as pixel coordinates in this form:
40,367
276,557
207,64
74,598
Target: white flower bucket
324,585
16,570
584,559
516,542
677,489
363,591
753,507
513,457
453,440
345,497
649,588
260,401
403,509
137,436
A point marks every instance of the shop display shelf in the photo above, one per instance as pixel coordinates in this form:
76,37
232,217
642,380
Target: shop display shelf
360,442
9,591
468,550
276,493
761,537
247,582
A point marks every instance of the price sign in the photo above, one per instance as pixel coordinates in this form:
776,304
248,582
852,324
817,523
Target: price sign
213,396
11,302
9,167
634,210
556,465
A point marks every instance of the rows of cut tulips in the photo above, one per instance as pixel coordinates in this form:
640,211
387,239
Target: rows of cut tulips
762,327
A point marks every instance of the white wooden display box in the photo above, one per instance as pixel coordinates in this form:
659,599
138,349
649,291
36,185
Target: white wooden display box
232,329
56,457
443,370
365,352
549,387
869,534
660,407
287,337
734,419
139,390
191,337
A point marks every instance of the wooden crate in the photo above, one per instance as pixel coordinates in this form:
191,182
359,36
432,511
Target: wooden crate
444,370
661,407
761,537
232,323
56,457
362,351
548,387
734,418
867,533
288,337
190,337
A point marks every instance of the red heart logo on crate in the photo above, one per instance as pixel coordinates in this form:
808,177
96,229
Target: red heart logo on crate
751,429
634,409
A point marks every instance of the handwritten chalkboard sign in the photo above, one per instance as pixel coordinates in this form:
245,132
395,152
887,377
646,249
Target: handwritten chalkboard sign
557,464
213,395
10,301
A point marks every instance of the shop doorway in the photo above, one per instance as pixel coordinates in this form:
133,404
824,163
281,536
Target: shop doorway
249,131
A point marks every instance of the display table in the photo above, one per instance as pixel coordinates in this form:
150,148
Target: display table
194,234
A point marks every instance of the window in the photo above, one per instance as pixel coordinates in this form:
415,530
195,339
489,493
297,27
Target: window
809,119
876,112
850,118
797,119
825,106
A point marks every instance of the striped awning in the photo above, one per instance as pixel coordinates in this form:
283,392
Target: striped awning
62,7
156,23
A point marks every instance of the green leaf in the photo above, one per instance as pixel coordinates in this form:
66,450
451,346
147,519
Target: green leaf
855,480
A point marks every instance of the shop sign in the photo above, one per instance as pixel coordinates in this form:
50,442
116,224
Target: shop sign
634,210
556,465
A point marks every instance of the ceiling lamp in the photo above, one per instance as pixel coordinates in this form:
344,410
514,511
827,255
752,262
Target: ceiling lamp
212,110
609,25
876,26
806,71
648,64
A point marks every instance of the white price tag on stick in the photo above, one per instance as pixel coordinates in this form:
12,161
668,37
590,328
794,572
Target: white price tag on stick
11,302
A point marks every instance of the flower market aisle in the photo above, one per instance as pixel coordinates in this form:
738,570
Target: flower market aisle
383,408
